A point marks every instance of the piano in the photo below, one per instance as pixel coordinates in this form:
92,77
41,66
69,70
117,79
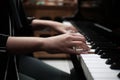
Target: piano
102,31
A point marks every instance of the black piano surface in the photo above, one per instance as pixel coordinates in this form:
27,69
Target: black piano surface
102,31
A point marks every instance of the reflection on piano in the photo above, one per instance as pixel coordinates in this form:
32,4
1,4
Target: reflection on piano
103,36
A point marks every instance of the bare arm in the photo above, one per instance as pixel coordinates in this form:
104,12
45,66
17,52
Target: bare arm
21,45
56,44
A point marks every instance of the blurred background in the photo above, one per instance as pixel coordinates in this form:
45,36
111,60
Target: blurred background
49,9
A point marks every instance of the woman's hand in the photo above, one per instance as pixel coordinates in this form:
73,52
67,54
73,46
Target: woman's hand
62,28
57,26
64,43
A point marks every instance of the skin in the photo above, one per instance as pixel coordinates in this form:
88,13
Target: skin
59,27
62,43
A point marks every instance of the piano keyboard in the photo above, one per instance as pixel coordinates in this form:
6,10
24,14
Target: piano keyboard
91,50
95,67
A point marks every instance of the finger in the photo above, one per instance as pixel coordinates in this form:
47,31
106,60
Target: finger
77,34
79,45
79,38
72,51
71,29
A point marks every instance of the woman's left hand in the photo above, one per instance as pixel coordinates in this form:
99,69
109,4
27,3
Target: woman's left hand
62,28
57,26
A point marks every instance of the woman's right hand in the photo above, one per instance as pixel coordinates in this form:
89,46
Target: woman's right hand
64,43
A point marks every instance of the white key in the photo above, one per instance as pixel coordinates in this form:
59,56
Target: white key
96,69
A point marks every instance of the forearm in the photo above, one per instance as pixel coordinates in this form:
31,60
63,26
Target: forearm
22,45
37,24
